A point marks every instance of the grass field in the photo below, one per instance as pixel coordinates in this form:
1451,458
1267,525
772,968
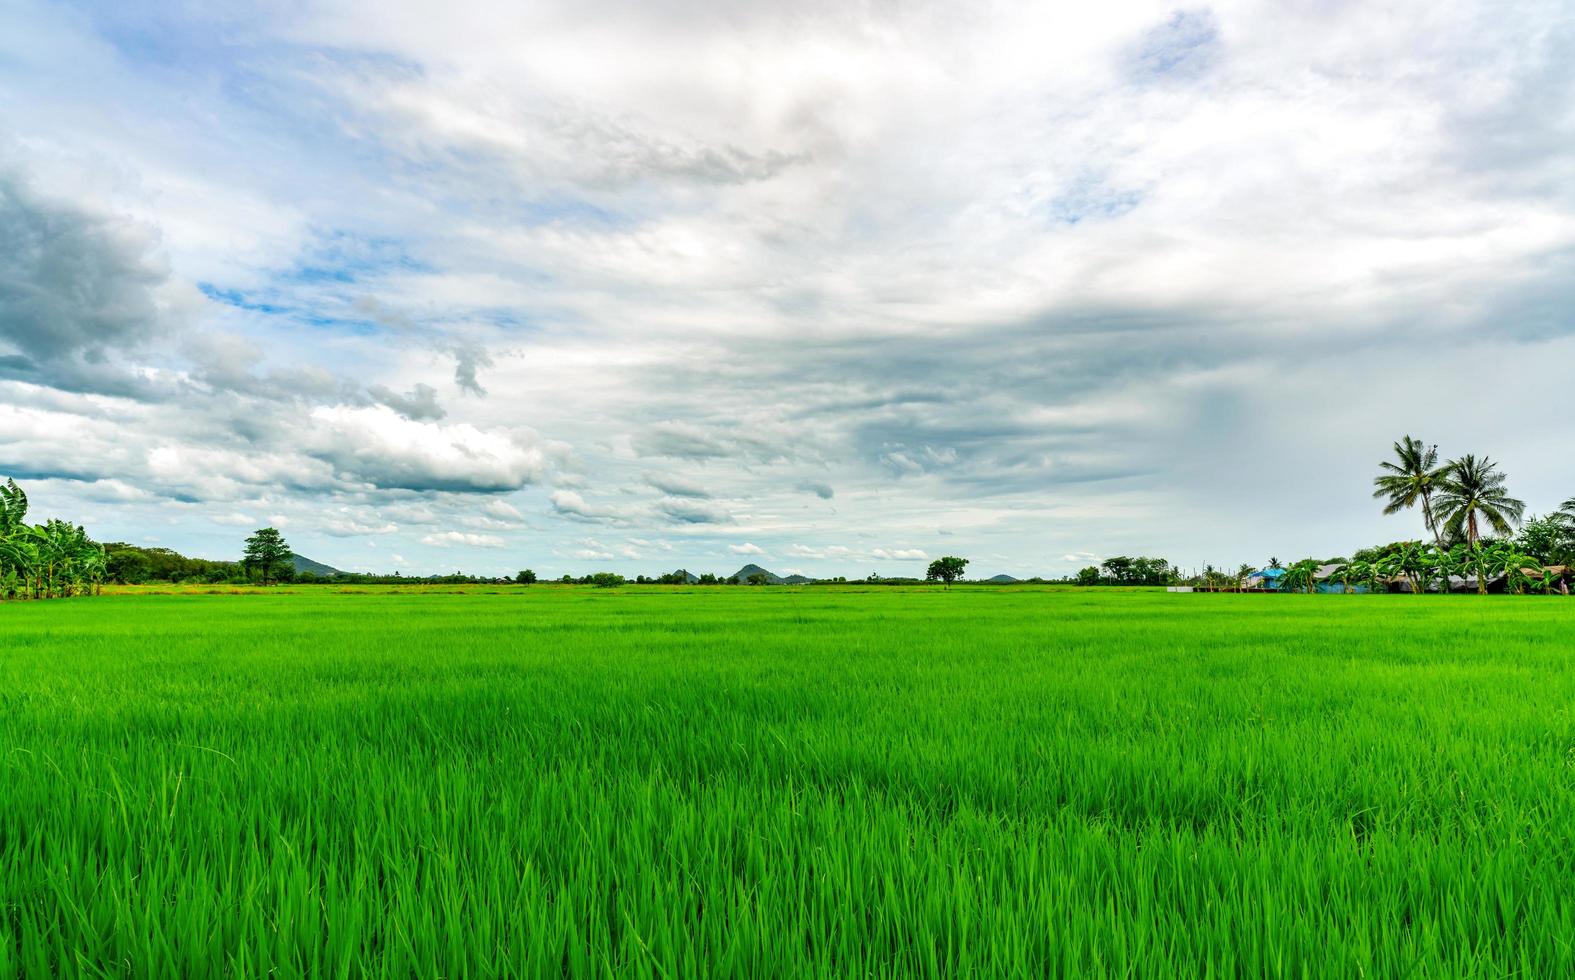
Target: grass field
768,782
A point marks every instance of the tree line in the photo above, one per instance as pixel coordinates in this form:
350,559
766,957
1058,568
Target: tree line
1477,534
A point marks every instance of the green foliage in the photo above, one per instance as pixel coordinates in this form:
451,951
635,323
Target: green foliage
267,556
1551,539
1474,496
526,577
164,565
1413,478
948,569
825,783
52,560
129,566
604,580
1122,570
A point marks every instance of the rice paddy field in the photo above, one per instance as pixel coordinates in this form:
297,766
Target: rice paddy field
770,782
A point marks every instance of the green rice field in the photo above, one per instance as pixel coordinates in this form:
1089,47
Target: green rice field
770,782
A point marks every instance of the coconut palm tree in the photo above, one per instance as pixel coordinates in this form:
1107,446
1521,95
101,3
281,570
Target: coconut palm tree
1412,479
1566,513
1472,495
1244,572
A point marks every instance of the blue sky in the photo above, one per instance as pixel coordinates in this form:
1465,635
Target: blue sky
834,289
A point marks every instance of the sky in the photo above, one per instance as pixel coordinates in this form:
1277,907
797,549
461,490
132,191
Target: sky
831,287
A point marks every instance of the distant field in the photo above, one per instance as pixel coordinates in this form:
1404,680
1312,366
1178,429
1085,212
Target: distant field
752,782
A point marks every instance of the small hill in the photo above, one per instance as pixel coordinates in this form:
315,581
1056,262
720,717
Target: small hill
689,577
1001,579
797,580
743,574
304,564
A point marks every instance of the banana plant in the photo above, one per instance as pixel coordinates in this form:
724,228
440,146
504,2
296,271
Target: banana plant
1502,558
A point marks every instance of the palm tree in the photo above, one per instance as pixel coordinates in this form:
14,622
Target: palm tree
1566,513
1473,494
1243,573
1275,563
1412,479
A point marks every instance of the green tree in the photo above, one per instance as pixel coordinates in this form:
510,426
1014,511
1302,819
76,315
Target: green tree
604,580
1244,572
526,577
1543,538
1301,577
948,569
129,567
1473,495
267,555
1412,478
1088,576
1502,559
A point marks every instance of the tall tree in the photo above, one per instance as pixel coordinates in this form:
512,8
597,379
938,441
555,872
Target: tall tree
1473,495
267,554
1244,571
948,569
1412,478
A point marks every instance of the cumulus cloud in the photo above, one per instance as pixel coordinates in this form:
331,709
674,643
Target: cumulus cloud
746,549
78,289
380,447
900,554
569,503
418,404
450,539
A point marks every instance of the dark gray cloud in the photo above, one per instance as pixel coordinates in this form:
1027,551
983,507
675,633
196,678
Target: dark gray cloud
676,486
469,358
693,511
821,490
419,403
77,290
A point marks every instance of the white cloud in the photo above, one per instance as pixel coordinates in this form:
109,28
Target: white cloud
746,549
378,446
449,539
900,554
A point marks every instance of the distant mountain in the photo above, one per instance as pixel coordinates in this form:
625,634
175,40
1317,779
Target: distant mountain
797,580
303,564
1002,579
743,574
688,576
